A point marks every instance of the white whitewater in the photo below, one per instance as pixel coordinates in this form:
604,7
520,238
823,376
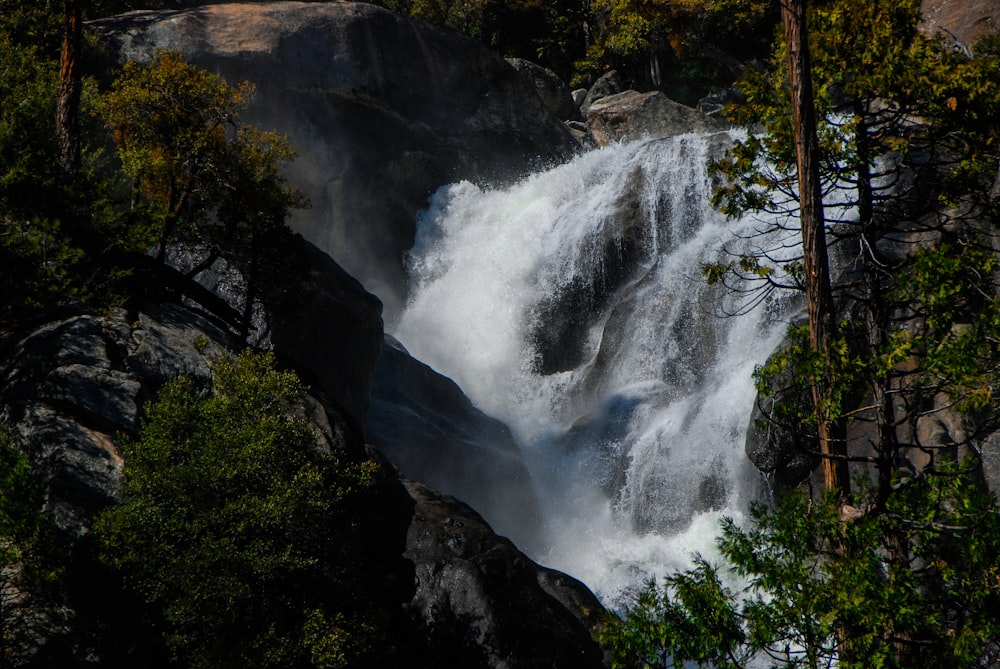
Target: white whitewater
632,420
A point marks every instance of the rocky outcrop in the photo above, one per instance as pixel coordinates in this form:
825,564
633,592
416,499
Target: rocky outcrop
561,323
610,83
783,455
72,388
382,109
454,591
432,433
630,115
549,87
483,603
327,325
960,22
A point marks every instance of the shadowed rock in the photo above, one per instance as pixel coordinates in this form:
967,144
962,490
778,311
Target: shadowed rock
432,433
382,109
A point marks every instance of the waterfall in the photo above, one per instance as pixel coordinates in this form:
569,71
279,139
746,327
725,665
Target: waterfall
571,306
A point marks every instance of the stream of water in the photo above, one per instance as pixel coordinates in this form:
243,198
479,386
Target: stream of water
572,307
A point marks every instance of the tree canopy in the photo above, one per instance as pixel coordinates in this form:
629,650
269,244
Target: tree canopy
894,567
31,562
240,529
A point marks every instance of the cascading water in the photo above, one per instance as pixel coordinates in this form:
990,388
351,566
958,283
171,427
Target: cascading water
571,306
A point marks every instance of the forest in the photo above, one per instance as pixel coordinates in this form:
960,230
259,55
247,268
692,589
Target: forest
875,142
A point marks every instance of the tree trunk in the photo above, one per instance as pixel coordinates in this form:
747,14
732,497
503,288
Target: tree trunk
819,294
68,103
876,313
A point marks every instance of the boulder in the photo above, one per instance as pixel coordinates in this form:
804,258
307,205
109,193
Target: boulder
608,84
714,103
783,455
382,109
550,88
481,603
428,428
959,22
631,115
71,387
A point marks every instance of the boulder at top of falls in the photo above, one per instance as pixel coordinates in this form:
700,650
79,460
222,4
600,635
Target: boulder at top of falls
609,83
550,88
382,109
632,115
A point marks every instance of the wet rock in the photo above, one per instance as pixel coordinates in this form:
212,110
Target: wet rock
631,115
431,432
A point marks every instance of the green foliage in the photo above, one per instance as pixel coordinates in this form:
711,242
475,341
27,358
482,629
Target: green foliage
907,130
35,259
873,75
30,559
240,529
950,289
58,236
170,122
902,574
687,38
201,176
912,587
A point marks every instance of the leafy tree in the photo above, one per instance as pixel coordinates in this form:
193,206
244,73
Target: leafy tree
905,136
900,573
170,122
62,233
36,259
30,566
819,592
240,529
200,175
683,46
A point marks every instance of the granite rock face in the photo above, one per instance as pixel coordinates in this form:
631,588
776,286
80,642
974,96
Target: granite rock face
552,90
73,387
382,109
482,603
329,327
960,22
630,115
428,428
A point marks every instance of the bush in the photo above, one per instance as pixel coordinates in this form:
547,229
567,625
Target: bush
239,529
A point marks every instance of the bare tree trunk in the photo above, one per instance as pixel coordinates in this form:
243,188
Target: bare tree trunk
819,294
68,103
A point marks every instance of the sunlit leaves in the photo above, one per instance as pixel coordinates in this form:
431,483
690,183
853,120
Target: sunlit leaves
170,121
